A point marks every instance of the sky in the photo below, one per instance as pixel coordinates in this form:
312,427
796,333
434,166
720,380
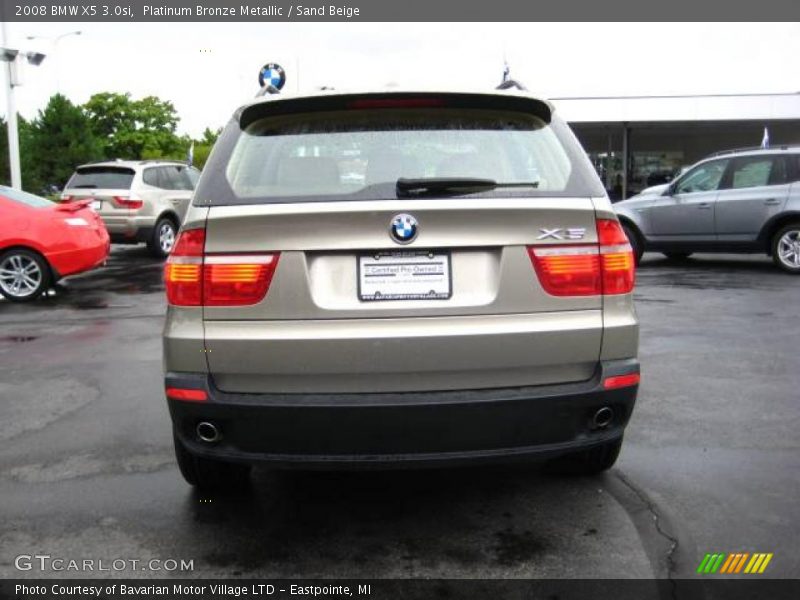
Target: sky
207,69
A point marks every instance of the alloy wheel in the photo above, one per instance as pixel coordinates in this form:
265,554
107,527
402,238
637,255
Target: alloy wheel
20,276
166,237
789,249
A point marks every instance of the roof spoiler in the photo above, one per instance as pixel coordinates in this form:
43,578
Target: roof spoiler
284,106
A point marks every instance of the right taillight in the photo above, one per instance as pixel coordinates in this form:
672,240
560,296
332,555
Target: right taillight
587,270
194,278
132,203
616,258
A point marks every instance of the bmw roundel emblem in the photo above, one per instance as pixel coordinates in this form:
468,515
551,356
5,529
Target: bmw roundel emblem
272,74
404,228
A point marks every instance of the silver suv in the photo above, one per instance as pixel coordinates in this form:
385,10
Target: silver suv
139,201
384,279
738,201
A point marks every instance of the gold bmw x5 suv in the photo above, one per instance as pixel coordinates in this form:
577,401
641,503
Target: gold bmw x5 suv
398,279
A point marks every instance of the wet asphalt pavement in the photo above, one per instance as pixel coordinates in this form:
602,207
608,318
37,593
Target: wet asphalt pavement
710,463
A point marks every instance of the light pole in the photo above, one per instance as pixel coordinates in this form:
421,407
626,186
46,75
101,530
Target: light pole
11,57
54,50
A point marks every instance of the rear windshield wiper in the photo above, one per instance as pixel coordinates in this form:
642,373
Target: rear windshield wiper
454,185
85,185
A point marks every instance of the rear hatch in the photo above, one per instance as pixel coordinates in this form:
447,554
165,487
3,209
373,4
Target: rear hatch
400,231
108,187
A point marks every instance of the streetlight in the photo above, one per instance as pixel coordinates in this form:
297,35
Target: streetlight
11,57
54,43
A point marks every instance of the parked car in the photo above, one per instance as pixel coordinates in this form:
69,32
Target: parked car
41,242
140,201
468,300
745,201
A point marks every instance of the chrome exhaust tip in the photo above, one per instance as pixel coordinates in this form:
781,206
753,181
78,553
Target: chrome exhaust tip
603,417
208,432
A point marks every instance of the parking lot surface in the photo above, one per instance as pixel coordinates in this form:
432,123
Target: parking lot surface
710,463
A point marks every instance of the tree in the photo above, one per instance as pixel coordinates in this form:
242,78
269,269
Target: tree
202,146
31,180
134,129
210,137
58,140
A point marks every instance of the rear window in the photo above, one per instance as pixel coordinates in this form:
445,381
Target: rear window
109,178
353,155
24,197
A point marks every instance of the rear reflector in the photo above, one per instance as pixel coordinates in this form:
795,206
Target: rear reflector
587,270
620,381
188,395
194,278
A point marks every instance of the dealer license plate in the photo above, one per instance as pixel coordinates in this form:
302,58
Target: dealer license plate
404,275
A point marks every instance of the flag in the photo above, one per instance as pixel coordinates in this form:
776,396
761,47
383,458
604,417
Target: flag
190,154
765,139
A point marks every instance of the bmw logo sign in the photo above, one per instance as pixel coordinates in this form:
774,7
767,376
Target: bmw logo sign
404,229
272,74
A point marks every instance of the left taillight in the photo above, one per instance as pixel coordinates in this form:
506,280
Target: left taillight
183,272
194,278
605,268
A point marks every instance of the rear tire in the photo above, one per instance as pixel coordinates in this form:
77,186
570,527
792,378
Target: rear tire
163,238
786,248
677,255
588,462
24,275
635,242
206,473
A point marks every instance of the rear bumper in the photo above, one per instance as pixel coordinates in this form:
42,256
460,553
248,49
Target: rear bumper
129,230
403,429
78,260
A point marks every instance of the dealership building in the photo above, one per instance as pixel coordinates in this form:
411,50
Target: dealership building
637,141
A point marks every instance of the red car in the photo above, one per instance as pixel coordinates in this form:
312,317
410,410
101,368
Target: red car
41,242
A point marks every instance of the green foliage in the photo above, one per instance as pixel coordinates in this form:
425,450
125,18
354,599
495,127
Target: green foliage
201,152
58,139
210,137
134,129
108,126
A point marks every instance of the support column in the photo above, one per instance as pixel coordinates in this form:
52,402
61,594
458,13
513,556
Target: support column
625,158
609,162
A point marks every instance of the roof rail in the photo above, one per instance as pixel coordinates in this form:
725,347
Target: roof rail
132,160
750,149
105,160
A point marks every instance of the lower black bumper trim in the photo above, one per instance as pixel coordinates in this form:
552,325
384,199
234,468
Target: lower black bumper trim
403,429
